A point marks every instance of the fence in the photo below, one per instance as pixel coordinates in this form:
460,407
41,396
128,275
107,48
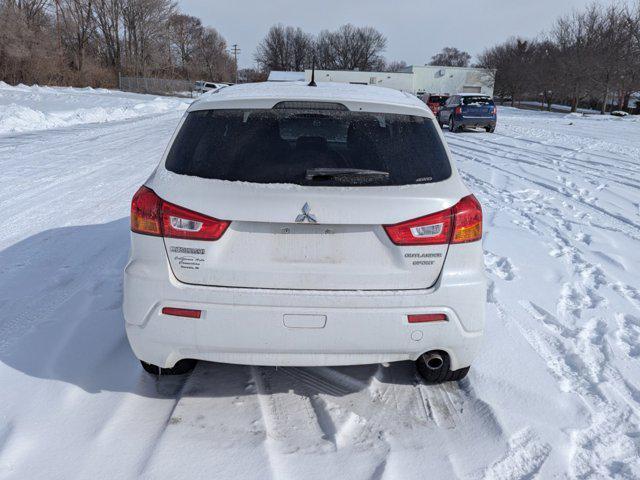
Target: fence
157,86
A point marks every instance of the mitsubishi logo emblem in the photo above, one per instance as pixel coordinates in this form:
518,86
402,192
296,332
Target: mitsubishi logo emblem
306,215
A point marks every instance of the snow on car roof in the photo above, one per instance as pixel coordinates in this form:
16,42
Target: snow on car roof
267,94
473,95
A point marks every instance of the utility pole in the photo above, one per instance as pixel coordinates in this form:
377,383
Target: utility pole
235,50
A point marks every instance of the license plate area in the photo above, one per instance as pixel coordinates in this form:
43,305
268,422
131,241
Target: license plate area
304,321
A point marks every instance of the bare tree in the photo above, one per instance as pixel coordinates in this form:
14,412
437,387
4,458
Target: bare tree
611,50
31,10
285,48
77,28
543,78
145,33
211,56
512,63
185,35
250,75
396,66
576,37
351,48
107,15
591,56
451,57
629,80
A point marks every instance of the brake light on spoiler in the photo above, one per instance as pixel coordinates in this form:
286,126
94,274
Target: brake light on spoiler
151,215
461,223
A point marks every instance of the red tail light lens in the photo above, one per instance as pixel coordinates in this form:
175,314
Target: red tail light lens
494,111
460,224
145,212
178,222
151,215
434,229
468,220
458,111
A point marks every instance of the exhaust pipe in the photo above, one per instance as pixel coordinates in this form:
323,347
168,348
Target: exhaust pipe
433,360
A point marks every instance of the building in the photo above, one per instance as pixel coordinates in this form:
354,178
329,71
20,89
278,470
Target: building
397,81
450,80
415,79
276,76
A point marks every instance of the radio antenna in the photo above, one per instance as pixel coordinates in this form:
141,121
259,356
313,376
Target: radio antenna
312,83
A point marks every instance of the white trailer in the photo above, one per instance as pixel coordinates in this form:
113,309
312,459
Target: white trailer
416,79
397,81
451,80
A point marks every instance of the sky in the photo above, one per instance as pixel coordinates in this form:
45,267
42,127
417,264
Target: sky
415,29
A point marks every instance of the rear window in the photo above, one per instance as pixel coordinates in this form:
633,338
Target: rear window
439,99
309,147
477,101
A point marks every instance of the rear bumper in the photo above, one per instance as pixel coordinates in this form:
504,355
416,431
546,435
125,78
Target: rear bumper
247,326
476,122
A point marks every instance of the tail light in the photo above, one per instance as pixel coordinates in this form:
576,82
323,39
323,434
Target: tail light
434,229
467,214
461,223
494,111
145,212
458,111
151,215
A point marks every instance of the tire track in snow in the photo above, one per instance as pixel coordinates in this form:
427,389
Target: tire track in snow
151,449
55,293
523,459
575,349
290,417
623,224
217,411
553,161
590,277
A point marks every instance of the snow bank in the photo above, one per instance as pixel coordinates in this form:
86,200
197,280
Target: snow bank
16,118
28,108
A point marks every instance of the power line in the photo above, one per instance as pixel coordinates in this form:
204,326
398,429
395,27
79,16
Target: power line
235,50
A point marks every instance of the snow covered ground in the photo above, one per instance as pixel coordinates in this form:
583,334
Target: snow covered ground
554,394
26,108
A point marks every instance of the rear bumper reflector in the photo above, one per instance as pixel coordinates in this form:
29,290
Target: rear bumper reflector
427,317
181,312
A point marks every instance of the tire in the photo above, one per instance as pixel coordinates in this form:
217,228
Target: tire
442,374
452,125
490,129
180,368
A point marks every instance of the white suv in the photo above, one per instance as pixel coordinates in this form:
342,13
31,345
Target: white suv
303,225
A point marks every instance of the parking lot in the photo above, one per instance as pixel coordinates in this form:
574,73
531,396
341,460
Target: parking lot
554,390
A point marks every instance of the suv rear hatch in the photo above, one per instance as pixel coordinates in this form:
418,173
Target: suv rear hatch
477,107
307,191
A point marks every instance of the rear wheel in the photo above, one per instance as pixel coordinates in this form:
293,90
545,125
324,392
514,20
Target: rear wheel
452,125
490,129
180,368
434,367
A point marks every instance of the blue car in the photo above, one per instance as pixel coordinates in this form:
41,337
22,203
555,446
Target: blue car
469,110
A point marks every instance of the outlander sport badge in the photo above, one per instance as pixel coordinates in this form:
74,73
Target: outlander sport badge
306,215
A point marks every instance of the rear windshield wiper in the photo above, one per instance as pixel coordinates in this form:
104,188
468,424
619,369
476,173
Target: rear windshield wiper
349,174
